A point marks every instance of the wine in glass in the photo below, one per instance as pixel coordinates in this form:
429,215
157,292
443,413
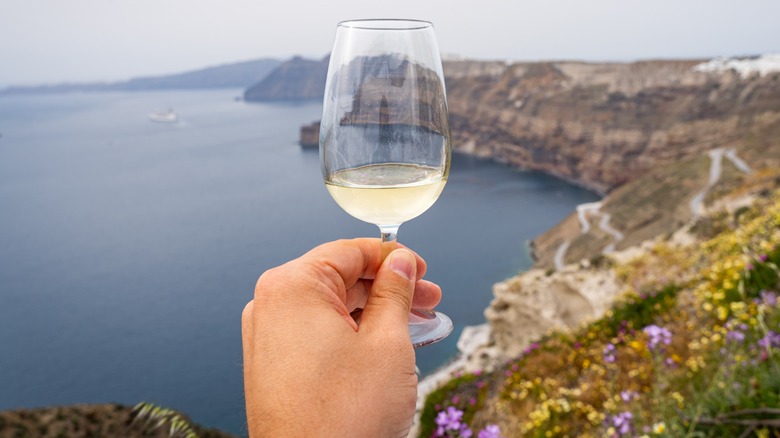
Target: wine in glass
385,134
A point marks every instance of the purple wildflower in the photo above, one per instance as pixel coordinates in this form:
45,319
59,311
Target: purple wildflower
769,298
628,395
465,432
490,431
455,400
736,331
622,422
530,348
749,267
609,353
763,257
735,335
658,335
448,420
771,340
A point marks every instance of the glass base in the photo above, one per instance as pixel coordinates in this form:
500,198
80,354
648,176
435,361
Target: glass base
427,327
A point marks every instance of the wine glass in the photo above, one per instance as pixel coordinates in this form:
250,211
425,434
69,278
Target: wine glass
385,134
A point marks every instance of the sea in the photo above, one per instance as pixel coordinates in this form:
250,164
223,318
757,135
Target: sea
128,248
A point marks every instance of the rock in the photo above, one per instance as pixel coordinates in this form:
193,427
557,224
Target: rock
528,306
310,135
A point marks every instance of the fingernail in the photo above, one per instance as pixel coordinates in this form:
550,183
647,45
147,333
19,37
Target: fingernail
402,262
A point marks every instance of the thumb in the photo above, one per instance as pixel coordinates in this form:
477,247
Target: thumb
390,299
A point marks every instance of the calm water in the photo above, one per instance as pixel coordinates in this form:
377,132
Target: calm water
128,249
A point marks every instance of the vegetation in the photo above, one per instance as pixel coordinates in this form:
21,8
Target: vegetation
156,416
102,420
692,349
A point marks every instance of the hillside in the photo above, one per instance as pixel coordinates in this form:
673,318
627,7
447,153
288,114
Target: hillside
296,79
677,336
233,75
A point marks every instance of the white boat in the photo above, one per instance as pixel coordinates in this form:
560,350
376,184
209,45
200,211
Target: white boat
166,116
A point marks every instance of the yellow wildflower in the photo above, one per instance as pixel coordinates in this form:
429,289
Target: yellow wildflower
659,427
595,418
680,399
737,306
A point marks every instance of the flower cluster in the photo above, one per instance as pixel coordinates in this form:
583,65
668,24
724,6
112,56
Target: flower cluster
770,340
623,423
658,335
736,331
450,424
609,353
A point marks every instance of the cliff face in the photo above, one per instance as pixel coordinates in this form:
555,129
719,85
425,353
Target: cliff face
599,124
603,124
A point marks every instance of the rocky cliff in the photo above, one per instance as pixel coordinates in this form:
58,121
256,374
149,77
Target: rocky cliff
597,124
603,125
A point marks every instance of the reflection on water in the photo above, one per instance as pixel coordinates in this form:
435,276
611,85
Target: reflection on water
359,145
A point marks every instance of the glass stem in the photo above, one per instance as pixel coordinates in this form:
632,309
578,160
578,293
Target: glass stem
389,234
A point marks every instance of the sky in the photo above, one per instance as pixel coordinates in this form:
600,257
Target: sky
52,41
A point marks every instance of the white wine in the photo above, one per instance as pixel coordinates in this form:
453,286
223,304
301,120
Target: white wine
386,194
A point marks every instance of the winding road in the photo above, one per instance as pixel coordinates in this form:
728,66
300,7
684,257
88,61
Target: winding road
582,214
696,204
716,168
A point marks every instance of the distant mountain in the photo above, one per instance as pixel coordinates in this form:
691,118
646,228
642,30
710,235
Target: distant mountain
234,75
296,79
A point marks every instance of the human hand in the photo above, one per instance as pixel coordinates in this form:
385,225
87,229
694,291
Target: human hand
309,369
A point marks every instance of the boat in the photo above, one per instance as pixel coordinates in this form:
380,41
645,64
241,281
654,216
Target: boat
165,116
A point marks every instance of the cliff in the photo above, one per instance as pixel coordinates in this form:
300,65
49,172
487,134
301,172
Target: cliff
296,79
596,124
603,125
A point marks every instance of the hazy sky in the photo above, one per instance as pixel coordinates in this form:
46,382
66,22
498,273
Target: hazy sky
45,41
